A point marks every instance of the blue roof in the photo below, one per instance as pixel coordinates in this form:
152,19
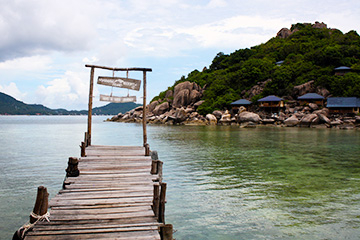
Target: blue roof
311,96
342,68
241,102
343,102
271,98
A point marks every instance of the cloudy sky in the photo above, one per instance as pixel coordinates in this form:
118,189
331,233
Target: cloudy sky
45,44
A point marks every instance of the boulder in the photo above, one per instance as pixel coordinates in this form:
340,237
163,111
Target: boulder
248,117
336,122
198,103
284,33
268,121
211,118
182,86
226,117
303,88
169,94
194,96
308,119
180,115
217,114
161,108
313,106
181,98
291,121
323,118
152,105
242,109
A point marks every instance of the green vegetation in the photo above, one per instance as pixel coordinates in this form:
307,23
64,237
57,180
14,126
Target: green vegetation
11,106
308,54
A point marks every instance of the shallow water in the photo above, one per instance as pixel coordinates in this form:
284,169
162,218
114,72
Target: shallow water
223,182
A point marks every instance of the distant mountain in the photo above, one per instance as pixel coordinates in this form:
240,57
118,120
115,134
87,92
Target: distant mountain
11,106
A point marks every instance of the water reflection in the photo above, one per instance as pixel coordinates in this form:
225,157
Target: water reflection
263,183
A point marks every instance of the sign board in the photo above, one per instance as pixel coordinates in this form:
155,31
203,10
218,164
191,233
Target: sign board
114,99
120,82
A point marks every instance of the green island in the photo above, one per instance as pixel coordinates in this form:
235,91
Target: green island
308,75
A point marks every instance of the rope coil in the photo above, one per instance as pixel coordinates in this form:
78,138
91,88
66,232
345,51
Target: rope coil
28,226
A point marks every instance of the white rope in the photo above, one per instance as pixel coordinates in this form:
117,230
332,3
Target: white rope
39,218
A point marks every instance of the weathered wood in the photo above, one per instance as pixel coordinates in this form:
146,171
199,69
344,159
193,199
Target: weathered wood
144,113
120,82
41,203
72,169
114,197
161,217
166,232
116,99
91,90
119,69
82,147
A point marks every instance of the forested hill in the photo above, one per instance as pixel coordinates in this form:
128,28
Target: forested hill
11,106
308,51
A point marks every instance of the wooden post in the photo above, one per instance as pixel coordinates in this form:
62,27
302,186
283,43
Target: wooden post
83,146
72,169
156,199
160,169
91,90
154,163
161,217
144,115
166,232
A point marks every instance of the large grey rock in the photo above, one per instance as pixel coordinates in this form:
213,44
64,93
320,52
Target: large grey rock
313,106
323,118
308,119
291,121
184,85
194,96
152,105
217,114
182,98
161,108
248,117
198,103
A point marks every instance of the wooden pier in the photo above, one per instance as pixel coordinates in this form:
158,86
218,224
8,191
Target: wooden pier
111,192
116,196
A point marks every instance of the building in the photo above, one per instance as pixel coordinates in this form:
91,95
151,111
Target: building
271,103
343,104
240,103
341,71
311,98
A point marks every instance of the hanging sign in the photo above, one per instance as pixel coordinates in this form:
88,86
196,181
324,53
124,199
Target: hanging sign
120,82
114,99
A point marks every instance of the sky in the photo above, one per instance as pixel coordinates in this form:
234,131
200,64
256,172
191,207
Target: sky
45,44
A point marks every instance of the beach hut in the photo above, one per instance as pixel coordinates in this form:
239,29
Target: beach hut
311,98
271,103
341,71
343,104
235,106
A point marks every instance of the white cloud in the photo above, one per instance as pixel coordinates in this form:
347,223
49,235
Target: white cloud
67,92
33,63
13,91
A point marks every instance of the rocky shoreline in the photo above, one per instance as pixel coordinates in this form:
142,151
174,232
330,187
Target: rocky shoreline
179,107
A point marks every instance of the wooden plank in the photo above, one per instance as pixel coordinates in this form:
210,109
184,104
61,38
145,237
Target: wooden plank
116,99
120,82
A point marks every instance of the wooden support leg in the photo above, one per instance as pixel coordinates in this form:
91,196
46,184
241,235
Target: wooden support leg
83,146
161,217
154,163
72,169
166,232
147,149
156,200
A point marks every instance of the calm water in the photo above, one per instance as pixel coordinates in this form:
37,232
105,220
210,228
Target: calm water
223,182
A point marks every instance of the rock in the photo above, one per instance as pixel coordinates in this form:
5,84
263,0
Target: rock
324,111
139,108
217,114
319,25
257,89
303,88
323,118
194,96
336,122
313,106
248,125
308,119
242,109
189,110
284,33
291,121
306,109
180,115
268,121
182,86
161,108
182,98
226,117
322,91
248,117
282,116
211,118
197,104
169,94
152,105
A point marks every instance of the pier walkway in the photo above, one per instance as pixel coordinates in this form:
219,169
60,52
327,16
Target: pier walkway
118,194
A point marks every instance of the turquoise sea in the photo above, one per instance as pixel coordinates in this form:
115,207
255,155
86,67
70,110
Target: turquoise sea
224,182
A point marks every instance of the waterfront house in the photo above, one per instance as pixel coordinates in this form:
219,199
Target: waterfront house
271,103
311,98
341,71
235,106
343,104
